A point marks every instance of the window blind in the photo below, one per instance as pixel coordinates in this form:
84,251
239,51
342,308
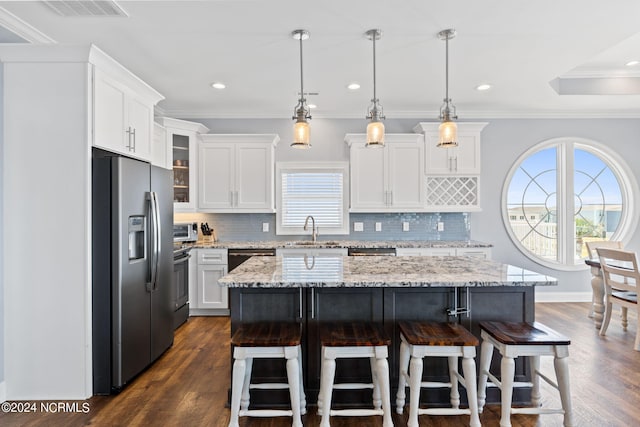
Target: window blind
319,194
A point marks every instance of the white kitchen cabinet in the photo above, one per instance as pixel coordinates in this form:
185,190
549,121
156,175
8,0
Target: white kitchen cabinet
160,155
210,298
461,160
123,112
484,253
182,139
389,178
236,173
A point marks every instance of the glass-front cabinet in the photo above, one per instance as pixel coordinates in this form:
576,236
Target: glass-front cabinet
182,136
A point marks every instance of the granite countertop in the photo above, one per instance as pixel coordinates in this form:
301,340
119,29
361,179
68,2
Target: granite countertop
343,244
380,271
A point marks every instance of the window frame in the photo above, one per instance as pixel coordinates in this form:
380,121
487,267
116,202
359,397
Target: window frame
564,163
311,167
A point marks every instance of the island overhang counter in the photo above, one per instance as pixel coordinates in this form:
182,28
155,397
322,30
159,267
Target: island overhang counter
384,289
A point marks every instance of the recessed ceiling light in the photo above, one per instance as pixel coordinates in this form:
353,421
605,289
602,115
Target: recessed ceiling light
632,63
484,86
218,85
353,86
312,106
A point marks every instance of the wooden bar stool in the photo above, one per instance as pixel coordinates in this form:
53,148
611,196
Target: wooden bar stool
355,340
267,340
524,339
450,340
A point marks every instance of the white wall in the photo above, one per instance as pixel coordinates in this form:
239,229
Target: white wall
46,275
2,298
503,141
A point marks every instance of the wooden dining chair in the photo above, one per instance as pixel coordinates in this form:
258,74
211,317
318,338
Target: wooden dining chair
621,280
591,249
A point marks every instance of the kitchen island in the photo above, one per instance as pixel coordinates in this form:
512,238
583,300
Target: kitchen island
384,289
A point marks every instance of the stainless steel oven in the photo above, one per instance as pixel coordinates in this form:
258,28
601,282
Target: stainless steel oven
181,257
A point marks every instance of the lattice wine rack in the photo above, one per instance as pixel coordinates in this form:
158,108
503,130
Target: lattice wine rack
452,191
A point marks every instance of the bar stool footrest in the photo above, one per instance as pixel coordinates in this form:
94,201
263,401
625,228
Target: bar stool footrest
355,412
265,413
443,411
536,411
352,386
269,386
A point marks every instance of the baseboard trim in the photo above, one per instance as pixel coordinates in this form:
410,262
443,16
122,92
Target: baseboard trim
3,392
563,296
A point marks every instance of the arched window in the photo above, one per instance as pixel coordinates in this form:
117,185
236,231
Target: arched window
563,193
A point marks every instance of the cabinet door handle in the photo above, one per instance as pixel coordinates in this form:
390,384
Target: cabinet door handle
129,146
236,204
313,304
133,132
391,198
456,159
300,303
231,198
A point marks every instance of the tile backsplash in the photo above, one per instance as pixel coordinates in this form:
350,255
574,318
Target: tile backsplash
422,226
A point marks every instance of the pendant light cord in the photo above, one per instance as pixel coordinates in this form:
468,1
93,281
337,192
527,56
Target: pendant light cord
375,98
446,72
301,77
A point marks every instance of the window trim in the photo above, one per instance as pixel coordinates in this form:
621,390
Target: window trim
342,167
624,174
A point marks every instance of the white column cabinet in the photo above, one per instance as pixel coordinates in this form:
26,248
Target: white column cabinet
236,173
210,298
182,144
123,112
389,178
160,155
461,160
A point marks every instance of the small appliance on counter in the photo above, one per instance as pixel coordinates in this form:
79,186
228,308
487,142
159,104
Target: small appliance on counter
184,233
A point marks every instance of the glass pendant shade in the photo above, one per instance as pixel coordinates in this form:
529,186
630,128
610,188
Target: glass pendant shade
375,134
301,134
448,131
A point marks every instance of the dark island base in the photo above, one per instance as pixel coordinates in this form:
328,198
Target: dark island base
312,306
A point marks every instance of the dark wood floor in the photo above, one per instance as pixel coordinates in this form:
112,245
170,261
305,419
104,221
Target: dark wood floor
188,385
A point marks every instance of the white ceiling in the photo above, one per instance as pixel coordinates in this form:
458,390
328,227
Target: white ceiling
524,49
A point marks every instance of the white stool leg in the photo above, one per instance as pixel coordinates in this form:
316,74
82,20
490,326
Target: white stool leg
623,315
237,382
561,365
486,353
507,371
245,399
377,402
454,396
303,397
469,371
534,364
328,371
382,367
402,380
415,380
293,378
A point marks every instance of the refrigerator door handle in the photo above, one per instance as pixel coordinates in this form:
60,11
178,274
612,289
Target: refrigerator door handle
158,238
153,237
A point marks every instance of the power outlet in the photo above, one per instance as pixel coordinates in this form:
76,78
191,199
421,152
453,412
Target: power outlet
440,226
265,227
378,226
405,226
358,226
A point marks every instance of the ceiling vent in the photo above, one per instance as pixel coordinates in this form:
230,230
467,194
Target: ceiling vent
86,8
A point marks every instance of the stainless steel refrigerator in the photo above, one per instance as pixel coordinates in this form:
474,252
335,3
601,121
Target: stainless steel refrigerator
132,250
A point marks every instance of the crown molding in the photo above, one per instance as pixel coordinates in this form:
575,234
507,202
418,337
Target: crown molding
19,27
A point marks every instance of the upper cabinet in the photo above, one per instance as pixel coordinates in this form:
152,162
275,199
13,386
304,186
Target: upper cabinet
182,144
236,173
123,109
160,154
389,178
461,160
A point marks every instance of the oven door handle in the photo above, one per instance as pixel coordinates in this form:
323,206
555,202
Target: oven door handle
249,254
181,259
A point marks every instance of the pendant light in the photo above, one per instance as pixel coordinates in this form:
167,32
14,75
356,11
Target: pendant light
301,111
375,128
448,129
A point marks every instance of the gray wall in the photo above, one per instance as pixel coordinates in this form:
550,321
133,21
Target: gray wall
503,141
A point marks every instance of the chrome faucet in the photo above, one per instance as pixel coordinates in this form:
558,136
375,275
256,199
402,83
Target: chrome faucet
314,230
